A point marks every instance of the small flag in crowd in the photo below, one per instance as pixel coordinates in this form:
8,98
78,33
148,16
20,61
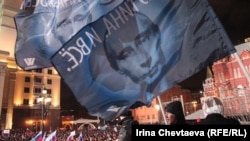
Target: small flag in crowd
115,129
44,136
71,136
80,137
38,137
51,137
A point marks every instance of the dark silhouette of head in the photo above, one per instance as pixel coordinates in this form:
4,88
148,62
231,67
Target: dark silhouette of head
176,109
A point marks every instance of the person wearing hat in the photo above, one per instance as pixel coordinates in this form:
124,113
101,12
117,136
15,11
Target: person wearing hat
214,112
175,114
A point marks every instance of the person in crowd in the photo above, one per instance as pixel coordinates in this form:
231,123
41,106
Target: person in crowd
213,110
125,133
174,113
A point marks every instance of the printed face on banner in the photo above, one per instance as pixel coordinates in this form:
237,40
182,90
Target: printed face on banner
138,53
68,26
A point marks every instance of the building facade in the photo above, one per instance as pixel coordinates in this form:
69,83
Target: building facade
230,82
20,92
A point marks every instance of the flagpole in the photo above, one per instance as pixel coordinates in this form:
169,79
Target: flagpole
242,67
162,111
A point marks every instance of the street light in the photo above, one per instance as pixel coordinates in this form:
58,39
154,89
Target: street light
44,99
194,105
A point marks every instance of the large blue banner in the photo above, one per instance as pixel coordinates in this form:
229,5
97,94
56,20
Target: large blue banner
137,51
43,26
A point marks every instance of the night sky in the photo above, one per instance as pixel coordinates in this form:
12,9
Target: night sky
235,18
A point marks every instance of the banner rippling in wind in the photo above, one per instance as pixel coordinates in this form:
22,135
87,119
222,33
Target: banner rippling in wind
136,51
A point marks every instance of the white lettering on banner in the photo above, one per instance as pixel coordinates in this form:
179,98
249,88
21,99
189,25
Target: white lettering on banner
81,47
91,37
144,1
46,3
59,3
121,15
64,53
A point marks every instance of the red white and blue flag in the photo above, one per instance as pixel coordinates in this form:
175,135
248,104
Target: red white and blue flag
71,136
38,137
80,137
51,137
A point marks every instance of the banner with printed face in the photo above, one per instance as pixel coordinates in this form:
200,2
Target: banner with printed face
137,51
43,26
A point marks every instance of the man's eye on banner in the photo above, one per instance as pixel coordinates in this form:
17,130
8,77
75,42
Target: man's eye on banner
137,51
43,26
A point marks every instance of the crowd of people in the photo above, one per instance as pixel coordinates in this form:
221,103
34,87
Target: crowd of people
98,134
212,107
